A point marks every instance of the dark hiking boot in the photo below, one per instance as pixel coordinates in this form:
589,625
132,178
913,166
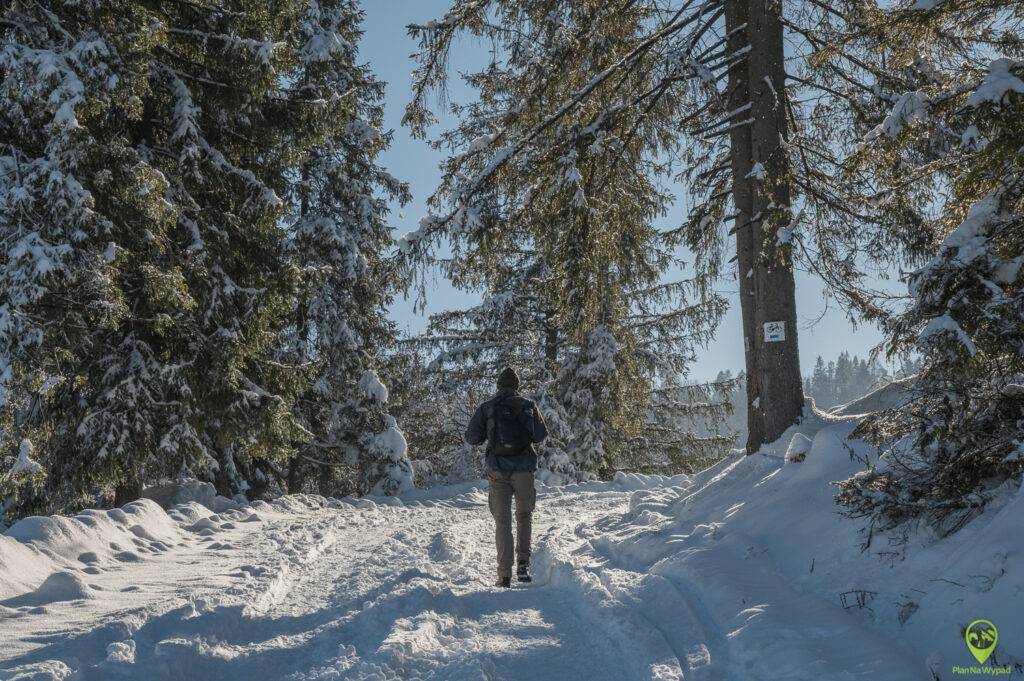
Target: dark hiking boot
503,583
523,571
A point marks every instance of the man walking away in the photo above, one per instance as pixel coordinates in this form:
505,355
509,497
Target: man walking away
511,425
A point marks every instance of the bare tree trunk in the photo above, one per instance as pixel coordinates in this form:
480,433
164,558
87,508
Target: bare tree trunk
221,480
128,490
550,341
777,398
738,96
296,475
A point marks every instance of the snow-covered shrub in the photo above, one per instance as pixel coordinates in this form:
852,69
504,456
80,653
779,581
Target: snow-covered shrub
390,471
587,381
22,481
798,448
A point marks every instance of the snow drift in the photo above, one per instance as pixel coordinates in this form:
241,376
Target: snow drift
37,549
799,591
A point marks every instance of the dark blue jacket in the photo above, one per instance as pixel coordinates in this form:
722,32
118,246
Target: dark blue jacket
482,425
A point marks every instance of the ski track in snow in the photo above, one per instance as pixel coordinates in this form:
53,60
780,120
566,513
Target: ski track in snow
311,589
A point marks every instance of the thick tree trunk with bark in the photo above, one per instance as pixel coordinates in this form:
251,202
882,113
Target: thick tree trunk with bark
778,402
296,475
738,96
761,196
222,481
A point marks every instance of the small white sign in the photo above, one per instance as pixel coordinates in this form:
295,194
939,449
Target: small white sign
774,332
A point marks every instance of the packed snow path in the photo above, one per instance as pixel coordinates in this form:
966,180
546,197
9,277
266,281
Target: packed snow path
743,572
309,589
301,590
306,591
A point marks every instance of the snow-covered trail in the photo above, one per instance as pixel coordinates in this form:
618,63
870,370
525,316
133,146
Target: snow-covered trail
640,578
362,590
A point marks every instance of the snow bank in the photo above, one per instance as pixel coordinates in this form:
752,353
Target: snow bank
21,567
59,586
775,578
44,559
39,553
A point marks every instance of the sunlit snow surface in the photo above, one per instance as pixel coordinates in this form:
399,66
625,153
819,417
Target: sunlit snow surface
743,572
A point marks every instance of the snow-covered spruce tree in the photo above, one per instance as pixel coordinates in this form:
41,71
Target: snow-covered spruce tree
760,144
527,176
95,312
147,152
958,128
338,234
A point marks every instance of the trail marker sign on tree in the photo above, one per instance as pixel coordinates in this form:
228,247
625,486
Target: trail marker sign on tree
774,332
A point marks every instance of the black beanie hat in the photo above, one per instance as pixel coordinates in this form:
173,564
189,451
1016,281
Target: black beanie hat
508,378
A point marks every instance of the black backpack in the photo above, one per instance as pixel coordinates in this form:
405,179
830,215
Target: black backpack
510,435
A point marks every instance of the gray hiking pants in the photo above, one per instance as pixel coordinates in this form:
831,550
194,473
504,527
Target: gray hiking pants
504,486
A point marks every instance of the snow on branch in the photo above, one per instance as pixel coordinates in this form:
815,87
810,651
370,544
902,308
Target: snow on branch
998,83
463,196
261,50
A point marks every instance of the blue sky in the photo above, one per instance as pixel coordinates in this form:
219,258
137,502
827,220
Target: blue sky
823,328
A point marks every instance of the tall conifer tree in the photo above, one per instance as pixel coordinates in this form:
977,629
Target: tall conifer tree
340,234
149,153
582,196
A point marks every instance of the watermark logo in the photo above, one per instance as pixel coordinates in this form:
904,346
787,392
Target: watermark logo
981,637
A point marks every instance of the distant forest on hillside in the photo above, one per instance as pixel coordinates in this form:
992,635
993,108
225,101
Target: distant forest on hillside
831,384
